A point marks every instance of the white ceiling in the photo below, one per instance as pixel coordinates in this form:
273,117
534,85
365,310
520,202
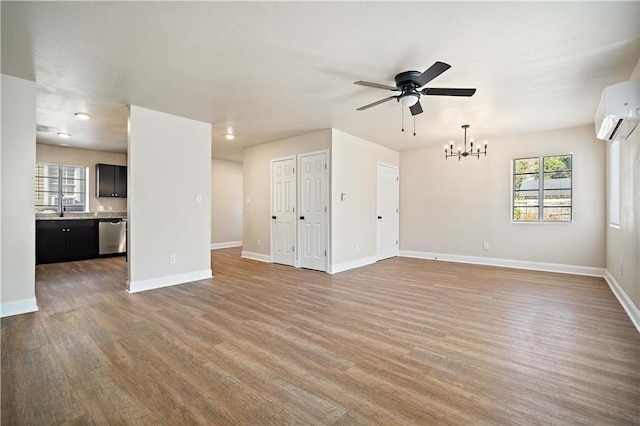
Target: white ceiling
274,70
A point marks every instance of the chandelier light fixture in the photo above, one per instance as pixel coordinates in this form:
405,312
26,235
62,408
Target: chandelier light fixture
449,152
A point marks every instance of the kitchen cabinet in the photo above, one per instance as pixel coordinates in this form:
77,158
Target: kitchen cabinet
111,181
65,240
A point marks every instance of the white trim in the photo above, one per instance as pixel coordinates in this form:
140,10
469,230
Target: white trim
17,307
166,281
256,256
508,263
216,246
632,311
352,264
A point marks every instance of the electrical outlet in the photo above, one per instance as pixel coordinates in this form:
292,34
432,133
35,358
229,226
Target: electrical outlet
172,258
621,269
485,246
259,242
198,198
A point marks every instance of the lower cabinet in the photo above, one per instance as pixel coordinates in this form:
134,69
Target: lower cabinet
65,240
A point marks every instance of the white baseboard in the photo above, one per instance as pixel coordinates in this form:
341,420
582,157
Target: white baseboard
632,311
169,280
357,263
256,256
216,246
17,307
508,263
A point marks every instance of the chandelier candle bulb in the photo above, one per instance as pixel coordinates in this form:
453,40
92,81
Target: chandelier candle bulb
464,152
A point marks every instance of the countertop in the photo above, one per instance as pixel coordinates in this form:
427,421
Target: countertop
87,215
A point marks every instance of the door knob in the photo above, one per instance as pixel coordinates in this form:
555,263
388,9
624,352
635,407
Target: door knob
379,217
273,217
301,217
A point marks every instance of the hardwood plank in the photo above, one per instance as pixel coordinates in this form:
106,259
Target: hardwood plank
403,341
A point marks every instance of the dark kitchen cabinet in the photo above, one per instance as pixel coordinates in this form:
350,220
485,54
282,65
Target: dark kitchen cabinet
65,240
111,181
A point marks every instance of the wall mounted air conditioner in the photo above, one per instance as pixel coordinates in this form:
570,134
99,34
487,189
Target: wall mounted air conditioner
619,111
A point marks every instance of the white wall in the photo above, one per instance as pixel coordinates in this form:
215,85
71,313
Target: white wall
354,170
256,215
226,203
452,207
17,274
623,243
169,165
87,158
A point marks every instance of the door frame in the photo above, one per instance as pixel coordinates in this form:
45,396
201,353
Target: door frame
295,228
397,168
327,200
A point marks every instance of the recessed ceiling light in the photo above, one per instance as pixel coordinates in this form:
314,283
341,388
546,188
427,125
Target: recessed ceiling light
64,135
230,136
82,115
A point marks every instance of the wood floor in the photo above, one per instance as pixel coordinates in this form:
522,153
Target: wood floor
404,341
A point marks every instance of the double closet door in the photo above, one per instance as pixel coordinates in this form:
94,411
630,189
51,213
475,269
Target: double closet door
299,207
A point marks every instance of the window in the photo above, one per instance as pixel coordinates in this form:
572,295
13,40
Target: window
614,183
61,188
550,201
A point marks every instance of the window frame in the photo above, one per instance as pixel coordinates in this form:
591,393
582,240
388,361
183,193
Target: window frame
60,192
541,189
613,180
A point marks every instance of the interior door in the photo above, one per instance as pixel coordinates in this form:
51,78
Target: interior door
283,193
387,229
312,220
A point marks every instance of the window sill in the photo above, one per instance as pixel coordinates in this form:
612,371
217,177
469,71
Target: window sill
522,222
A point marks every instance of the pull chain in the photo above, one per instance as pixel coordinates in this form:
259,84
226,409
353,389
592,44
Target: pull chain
414,125
402,118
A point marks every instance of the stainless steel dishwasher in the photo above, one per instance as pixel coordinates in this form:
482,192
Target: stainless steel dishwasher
112,236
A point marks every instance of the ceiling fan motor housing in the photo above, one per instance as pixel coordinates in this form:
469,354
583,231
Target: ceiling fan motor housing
405,80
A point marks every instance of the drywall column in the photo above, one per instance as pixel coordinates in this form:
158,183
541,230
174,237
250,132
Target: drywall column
226,204
354,172
18,156
169,200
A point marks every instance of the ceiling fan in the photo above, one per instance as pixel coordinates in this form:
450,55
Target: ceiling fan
408,83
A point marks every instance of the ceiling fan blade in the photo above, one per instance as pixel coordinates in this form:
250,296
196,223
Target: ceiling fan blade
376,103
376,85
416,109
432,72
441,91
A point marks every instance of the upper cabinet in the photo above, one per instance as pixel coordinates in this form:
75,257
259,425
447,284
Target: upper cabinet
111,181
